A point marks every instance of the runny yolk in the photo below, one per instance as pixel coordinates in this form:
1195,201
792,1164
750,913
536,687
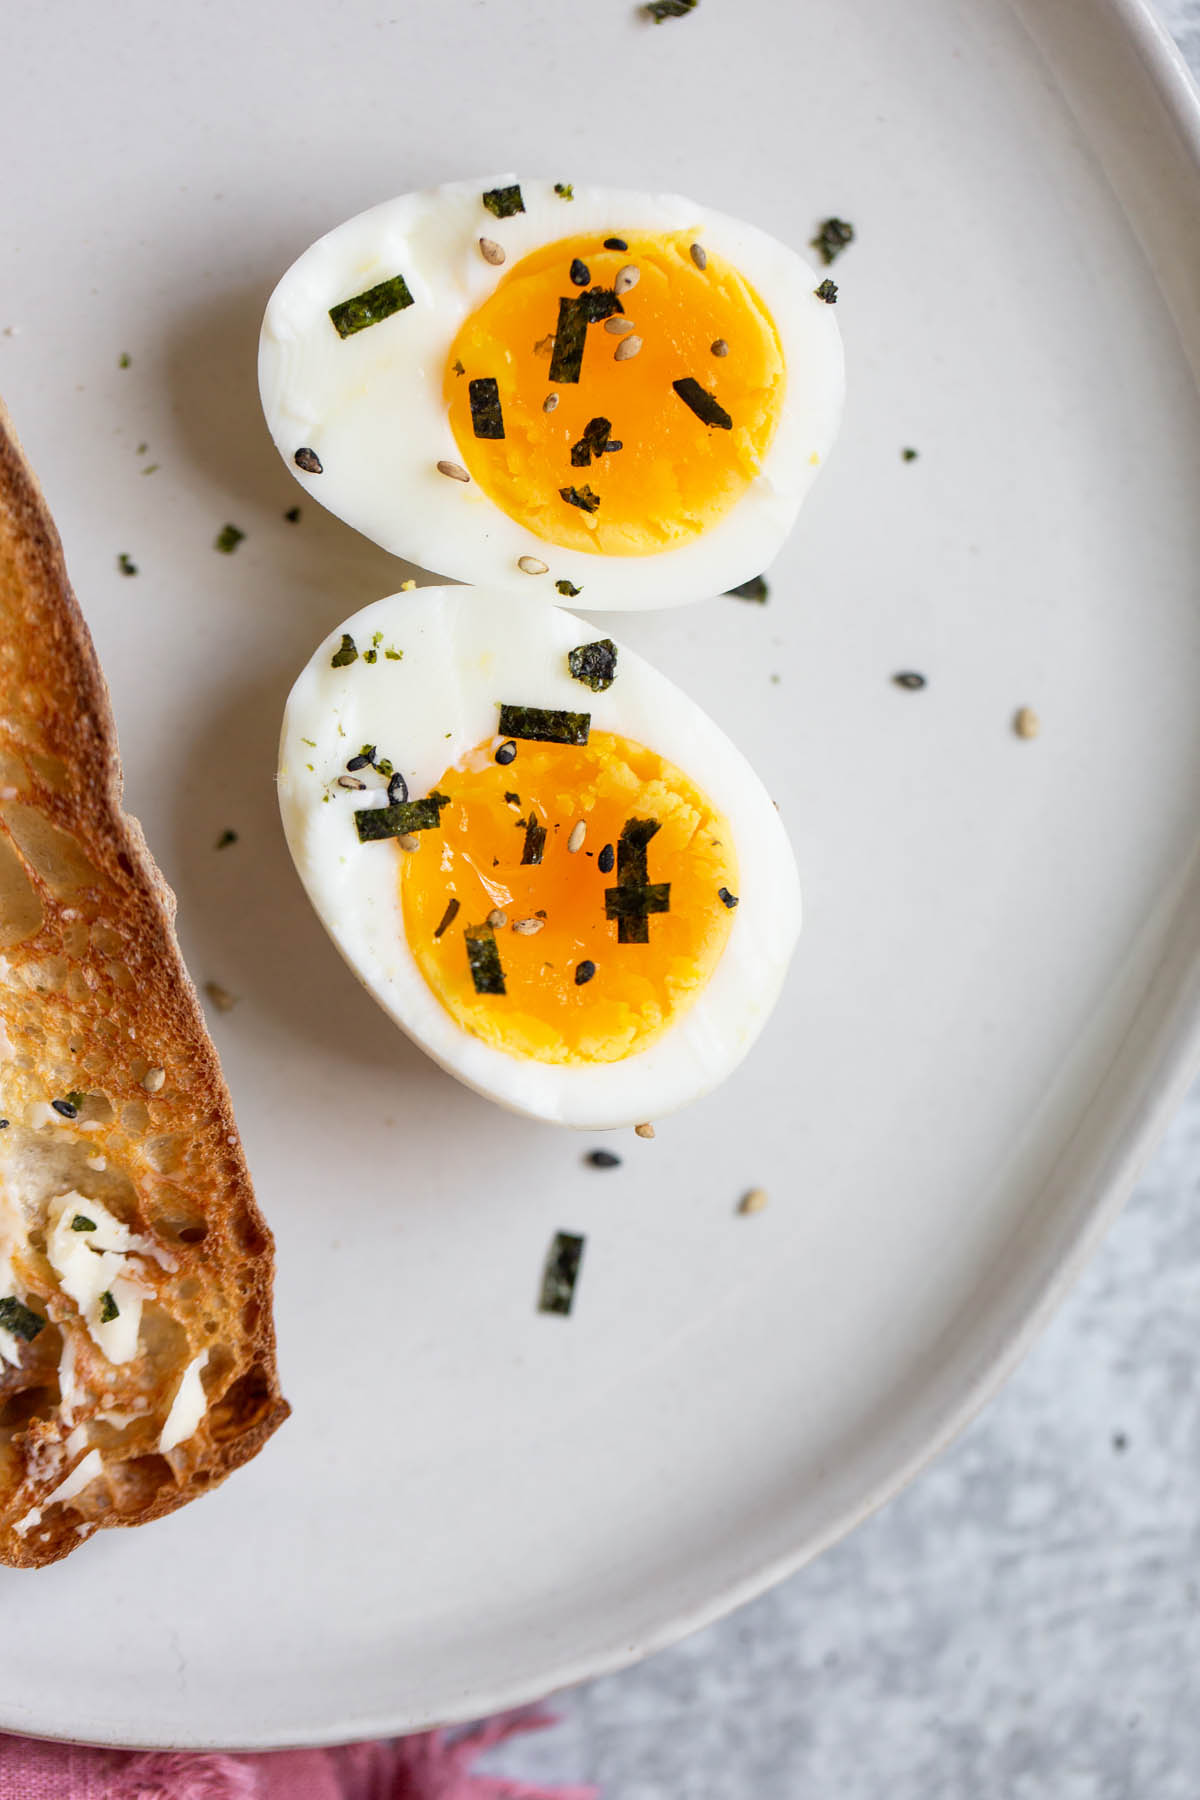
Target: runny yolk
667,893
673,474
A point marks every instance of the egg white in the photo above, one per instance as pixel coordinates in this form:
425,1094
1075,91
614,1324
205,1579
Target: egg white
371,405
465,650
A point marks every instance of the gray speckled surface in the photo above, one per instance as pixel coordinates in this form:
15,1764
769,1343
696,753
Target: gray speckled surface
1023,1623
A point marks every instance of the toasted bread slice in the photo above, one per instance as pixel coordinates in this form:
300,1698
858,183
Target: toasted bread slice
137,1350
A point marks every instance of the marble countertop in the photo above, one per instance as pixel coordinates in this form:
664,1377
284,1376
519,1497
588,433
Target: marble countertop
1022,1623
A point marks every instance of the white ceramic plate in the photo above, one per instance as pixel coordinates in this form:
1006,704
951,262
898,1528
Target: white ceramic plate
996,1001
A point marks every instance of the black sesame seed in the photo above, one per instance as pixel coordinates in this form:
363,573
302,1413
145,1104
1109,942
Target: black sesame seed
309,461
580,273
397,790
606,860
615,244
507,752
362,761
66,1108
584,972
602,1159
726,898
909,679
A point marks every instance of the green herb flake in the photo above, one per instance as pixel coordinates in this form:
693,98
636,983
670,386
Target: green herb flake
754,589
670,9
346,654
908,454
375,822
561,1273
126,564
371,655
124,361
151,468
591,307
833,236
75,1099
483,959
503,202
292,515
594,664
109,1310
705,406
385,767
827,292
635,896
565,190
20,1319
394,655
567,589
371,308
228,539
459,369
80,1223
585,498
544,725
487,417
142,449
311,742
226,838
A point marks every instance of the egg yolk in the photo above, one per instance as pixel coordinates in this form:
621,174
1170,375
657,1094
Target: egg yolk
583,954
590,447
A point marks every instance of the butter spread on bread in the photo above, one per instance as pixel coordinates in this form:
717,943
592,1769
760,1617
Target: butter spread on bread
137,1350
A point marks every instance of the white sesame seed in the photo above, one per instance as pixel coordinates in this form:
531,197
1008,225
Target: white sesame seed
409,840
454,470
627,278
497,918
527,927
754,1201
578,833
350,781
720,347
618,327
153,1080
626,348
644,1131
532,565
700,256
491,251
1026,723
549,403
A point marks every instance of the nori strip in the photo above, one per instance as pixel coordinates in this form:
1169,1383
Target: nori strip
594,664
545,725
754,589
591,307
583,497
487,420
448,917
484,959
371,308
20,1319
832,237
372,822
535,840
726,898
670,9
827,292
502,203
635,897
561,1273
708,410
594,442
109,1310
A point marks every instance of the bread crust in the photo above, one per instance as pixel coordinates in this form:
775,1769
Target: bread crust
94,998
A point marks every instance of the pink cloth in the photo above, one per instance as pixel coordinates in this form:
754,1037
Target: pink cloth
435,1765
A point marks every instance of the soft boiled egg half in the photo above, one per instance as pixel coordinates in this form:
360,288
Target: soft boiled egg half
543,860
576,389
